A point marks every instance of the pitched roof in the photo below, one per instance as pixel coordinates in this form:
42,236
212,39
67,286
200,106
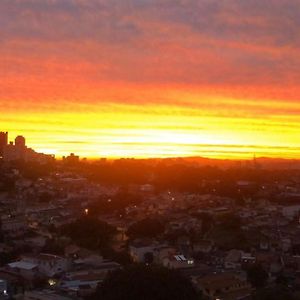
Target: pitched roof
22,265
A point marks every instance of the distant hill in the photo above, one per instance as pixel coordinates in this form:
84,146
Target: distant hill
260,162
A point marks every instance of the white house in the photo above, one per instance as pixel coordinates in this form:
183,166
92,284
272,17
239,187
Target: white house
25,269
178,262
138,249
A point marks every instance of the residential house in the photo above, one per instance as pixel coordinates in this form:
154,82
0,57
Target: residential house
48,264
178,261
223,286
139,248
45,295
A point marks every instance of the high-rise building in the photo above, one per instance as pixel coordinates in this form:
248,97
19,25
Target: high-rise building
3,141
19,151
20,142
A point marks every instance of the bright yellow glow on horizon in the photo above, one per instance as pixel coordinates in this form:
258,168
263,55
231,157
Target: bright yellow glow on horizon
118,130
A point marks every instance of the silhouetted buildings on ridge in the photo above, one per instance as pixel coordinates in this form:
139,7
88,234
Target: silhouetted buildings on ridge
18,151
71,159
3,141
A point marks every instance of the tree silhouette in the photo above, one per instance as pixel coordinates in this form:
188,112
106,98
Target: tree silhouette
146,228
257,276
275,293
90,233
147,283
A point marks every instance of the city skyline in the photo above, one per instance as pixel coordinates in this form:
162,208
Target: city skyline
17,149
215,79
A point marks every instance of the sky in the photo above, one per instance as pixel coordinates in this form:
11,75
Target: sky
152,78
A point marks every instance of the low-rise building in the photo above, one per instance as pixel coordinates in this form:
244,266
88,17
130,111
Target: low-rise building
48,264
223,286
139,248
27,270
178,261
45,295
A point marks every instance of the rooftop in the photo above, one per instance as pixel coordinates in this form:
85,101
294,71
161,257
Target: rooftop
22,265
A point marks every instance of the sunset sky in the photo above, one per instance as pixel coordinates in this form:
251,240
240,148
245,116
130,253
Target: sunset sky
149,78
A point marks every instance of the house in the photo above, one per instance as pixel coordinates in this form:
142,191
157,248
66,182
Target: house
45,295
163,251
101,270
285,244
271,262
178,262
14,226
11,282
26,270
247,259
223,286
139,248
175,225
4,248
84,285
291,211
84,282
73,251
93,259
37,241
204,246
81,255
3,289
48,264
264,244
233,259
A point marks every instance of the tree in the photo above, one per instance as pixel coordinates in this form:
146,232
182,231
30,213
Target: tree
275,293
148,258
6,258
138,282
117,203
230,221
207,221
123,257
7,183
257,276
282,280
90,233
53,247
149,228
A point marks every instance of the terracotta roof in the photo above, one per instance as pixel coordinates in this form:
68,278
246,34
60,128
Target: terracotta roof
219,281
